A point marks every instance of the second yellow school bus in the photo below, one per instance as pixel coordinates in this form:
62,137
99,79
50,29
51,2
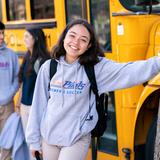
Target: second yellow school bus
127,30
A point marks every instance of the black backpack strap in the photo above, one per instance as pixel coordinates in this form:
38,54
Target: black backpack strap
91,76
52,70
37,155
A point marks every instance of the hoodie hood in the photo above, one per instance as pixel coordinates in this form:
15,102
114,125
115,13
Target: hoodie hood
3,46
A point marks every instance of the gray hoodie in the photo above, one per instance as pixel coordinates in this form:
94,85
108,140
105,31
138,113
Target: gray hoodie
9,69
60,115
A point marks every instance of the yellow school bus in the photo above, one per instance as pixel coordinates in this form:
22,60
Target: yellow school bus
127,30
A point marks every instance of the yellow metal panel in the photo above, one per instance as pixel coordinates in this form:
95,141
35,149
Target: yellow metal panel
28,10
60,15
4,14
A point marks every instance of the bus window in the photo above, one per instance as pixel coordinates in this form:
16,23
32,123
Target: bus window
42,9
16,10
101,22
73,9
135,5
0,11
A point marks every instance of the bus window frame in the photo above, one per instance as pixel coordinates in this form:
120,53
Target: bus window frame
42,23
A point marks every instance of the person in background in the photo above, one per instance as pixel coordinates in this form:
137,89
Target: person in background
36,55
59,125
9,68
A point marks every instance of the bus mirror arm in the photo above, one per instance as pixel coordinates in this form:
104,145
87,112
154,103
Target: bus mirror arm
127,153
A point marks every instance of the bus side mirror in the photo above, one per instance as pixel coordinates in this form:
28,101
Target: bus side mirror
146,2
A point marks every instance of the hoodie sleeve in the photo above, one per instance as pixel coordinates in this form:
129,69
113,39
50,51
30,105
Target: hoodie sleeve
38,108
15,84
112,76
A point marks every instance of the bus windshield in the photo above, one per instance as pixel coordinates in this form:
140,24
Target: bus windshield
138,5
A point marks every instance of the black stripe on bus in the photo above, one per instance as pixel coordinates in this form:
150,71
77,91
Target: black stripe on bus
24,25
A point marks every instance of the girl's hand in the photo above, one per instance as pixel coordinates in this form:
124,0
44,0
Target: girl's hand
17,109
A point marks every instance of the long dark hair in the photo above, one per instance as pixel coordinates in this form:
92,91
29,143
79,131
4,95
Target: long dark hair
90,56
39,51
2,26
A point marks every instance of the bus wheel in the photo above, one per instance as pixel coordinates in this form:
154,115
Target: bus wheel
149,148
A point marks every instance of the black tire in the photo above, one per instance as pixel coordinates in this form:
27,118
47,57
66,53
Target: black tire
149,148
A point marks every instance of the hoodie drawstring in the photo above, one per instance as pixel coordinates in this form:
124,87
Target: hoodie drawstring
62,86
76,74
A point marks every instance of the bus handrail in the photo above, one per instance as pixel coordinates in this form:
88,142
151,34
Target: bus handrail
114,14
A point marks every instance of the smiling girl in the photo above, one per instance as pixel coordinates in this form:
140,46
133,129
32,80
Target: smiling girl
59,127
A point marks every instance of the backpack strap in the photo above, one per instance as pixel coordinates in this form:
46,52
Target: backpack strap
37,155
91,76
52,70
